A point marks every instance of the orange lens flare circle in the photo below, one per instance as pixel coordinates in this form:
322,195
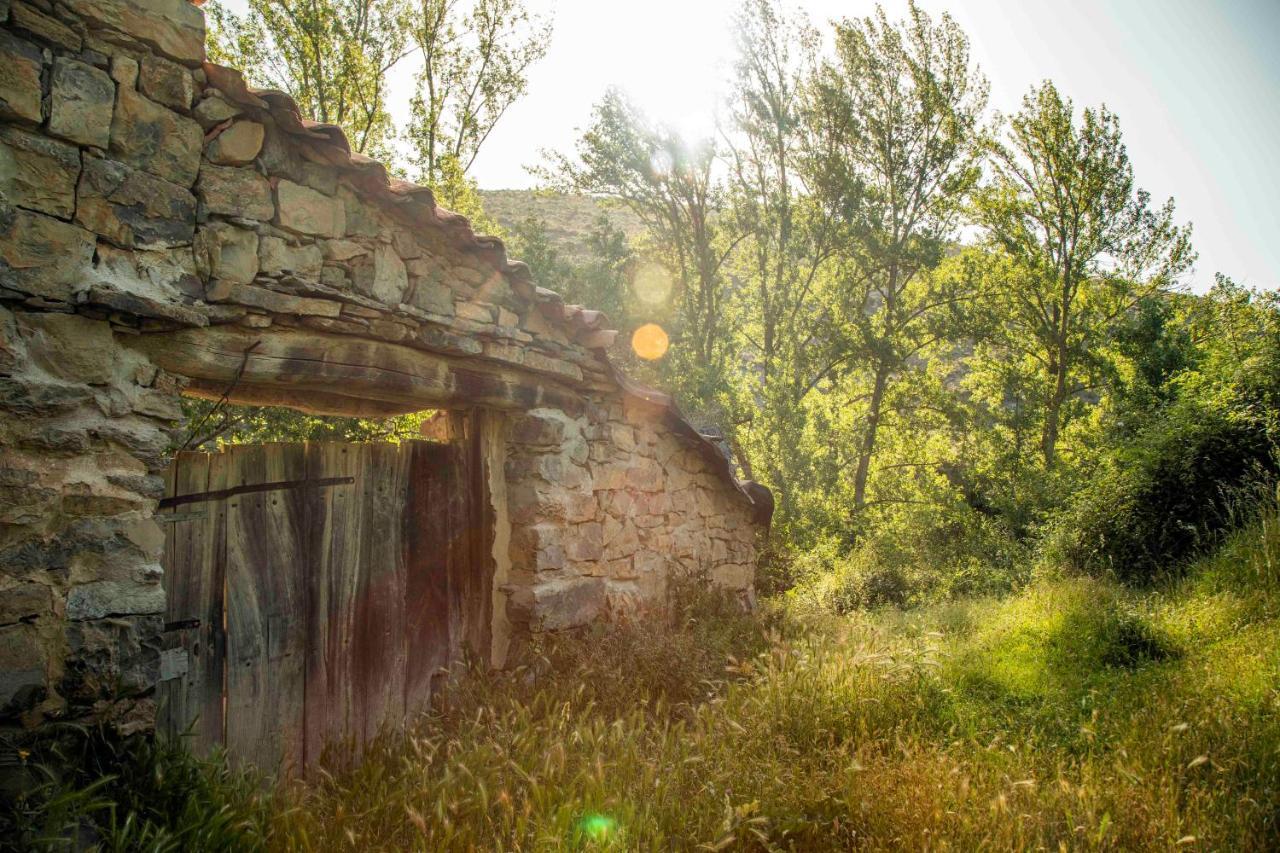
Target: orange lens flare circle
650,342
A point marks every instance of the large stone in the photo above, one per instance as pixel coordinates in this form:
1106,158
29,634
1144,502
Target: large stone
69,346
561,603
227,254
27,17
134,209
111,657
237,145
38,173
166,83
22,670
42,256
173,27
20,65
306,211
150,137
283,303
81,102
276,256
231,191
114,598
25,602
380,275
213,109
160,278
432,296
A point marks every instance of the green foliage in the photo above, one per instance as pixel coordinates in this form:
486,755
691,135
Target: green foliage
330,56
85,787
476,57
209,424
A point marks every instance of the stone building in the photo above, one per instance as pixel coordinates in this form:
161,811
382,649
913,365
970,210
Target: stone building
166,230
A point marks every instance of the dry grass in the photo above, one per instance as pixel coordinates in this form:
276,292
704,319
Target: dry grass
1076,715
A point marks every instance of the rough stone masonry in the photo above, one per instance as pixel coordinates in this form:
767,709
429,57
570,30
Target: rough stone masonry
165,230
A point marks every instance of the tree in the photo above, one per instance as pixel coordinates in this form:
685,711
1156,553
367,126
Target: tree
475,64
1086,246
330,56
669,185
896,116
788,335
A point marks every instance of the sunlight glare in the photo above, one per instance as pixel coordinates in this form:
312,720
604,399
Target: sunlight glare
651,284
650,342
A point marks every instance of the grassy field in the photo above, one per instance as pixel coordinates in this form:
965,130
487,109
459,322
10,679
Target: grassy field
1075,715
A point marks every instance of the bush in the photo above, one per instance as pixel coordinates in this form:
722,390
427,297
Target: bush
1167,498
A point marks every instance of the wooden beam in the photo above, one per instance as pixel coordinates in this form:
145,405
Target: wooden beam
341,375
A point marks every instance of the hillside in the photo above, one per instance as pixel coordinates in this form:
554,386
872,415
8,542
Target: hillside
569,218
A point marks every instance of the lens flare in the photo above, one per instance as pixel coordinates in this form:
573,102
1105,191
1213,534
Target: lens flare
597,827
650,342
661,163
651,284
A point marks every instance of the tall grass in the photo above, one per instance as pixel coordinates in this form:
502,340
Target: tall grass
1075,715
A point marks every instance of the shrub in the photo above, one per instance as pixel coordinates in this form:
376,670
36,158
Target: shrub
1168,497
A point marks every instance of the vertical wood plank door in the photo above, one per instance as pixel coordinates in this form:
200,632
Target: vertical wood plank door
318,591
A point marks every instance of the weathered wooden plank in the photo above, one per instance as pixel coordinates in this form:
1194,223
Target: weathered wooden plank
190,690
478,567
266,553
336,524
426,555
379,636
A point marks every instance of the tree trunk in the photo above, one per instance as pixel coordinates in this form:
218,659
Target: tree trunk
869,438
1053,411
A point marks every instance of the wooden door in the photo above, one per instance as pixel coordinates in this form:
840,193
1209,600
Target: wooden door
316,591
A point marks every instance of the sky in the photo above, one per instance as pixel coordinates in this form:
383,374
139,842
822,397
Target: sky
1196,85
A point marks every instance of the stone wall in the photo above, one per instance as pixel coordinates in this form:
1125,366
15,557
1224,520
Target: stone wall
165,230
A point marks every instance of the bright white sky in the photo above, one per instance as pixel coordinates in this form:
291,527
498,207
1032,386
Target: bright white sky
1196,85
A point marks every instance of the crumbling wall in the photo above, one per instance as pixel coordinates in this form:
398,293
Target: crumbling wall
164,230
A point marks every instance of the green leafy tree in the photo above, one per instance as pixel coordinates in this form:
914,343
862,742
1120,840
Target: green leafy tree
476,57
671,186
330,56
896,114
1085,244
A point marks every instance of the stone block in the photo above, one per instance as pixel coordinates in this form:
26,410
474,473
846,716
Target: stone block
474,312
282,303
305,211
342,250
20,66
132,208
230,191
80,103
26,17
69,346
227,254
23,660
277,256
562,603
25,602
584,542
38,173
155,139
431,296
380,275
124,70
213,110
237,145
173,27
541,428
160,277
114,598
112,656
42,256
167,83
